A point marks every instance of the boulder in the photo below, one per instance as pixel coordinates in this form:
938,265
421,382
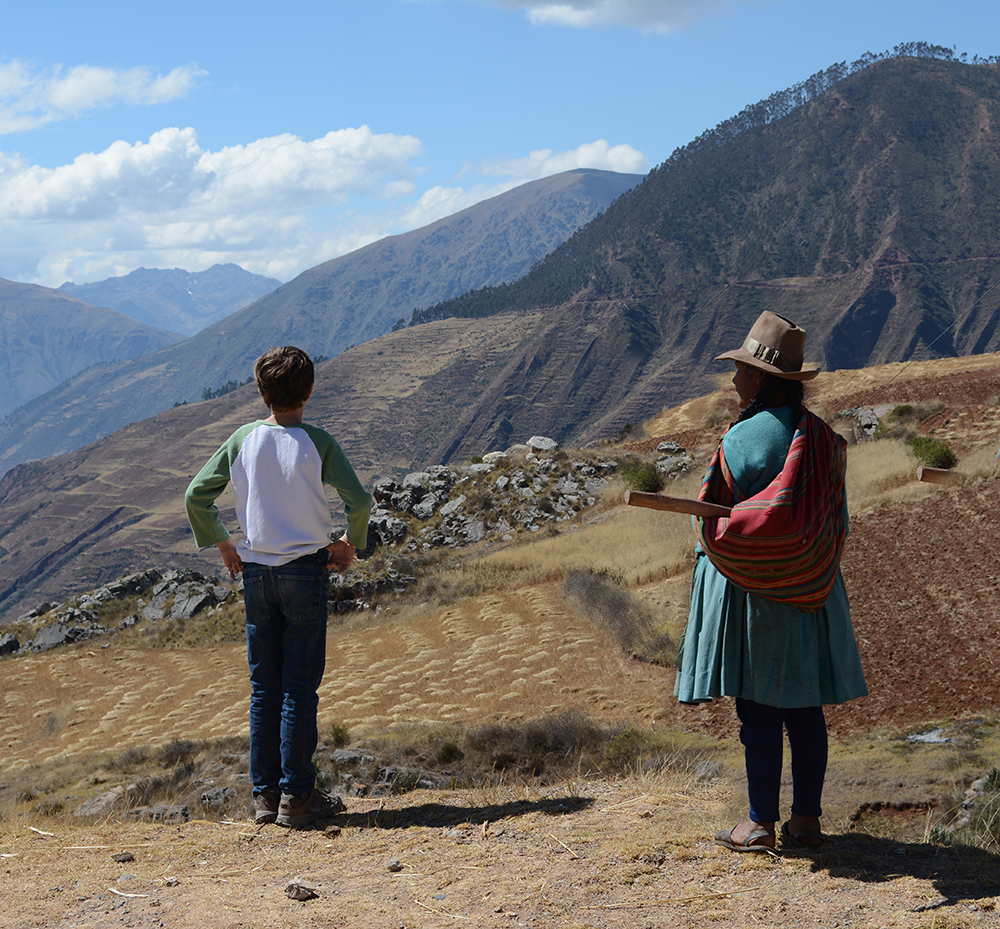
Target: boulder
541,443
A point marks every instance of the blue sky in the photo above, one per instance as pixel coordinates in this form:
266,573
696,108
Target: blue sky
278,136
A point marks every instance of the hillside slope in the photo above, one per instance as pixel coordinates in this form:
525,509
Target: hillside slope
870,215
91,515
345,301
47,336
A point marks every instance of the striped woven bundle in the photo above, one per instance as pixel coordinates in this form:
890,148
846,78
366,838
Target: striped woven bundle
785,542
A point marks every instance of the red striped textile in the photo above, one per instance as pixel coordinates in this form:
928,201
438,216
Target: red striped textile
785,542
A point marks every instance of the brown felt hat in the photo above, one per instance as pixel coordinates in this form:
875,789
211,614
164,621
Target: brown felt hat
775,345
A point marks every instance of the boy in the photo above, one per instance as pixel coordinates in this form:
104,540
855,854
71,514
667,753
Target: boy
278,467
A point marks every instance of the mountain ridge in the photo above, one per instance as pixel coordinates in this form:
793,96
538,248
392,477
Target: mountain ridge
492,240
174,299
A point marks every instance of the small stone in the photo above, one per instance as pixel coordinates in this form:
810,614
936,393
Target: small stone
298,888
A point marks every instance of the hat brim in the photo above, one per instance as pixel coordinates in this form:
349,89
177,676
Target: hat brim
741,354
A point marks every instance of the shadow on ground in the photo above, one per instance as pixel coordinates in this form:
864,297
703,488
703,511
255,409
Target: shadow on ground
446,814
958,872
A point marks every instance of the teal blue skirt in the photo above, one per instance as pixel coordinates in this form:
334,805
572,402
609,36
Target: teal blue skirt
738,644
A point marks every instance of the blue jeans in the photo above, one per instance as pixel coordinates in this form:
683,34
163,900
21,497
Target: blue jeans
286,650
763,742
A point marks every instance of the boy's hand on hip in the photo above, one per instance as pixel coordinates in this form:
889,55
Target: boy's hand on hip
342,553
230,557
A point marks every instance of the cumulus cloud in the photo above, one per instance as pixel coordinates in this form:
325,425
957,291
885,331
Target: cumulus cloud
166,200
276,206
663,16
32,98
171,173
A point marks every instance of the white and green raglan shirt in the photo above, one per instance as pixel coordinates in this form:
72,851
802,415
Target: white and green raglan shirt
277,473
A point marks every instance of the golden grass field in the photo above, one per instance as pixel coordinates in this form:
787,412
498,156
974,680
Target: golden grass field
497,641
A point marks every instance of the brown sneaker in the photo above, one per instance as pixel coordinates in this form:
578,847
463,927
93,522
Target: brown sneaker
299,813
265,807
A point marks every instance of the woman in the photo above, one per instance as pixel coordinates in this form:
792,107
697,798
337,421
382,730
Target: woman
769,622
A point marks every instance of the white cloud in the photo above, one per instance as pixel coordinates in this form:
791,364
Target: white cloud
167,202
171,173
29,99
543,162
663,16
276,206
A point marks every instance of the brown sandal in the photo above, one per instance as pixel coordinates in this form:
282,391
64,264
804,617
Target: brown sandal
724,837
804,837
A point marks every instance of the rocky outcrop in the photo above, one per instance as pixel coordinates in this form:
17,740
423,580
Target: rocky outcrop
490,499
523,489
174,595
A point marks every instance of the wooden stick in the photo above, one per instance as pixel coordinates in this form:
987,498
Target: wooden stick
676,504
939,476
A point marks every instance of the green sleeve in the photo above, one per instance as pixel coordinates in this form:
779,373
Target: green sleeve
338,473
208,483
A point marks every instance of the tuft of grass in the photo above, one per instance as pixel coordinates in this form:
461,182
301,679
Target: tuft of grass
337,735
177,753
881,472
606,600
983,830
129,759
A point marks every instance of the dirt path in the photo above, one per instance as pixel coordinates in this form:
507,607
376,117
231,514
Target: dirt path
628,854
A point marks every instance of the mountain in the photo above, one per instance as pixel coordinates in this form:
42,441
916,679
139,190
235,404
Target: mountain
47,336
325,310
177,300
869,214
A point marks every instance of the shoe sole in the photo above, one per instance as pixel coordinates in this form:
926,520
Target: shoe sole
296,822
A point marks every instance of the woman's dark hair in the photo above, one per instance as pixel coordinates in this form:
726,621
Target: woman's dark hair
774,392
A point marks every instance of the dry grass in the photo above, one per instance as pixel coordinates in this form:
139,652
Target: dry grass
628,853
980,464
640,546
882,472
495,660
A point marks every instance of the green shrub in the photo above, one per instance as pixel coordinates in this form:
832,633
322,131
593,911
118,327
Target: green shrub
448,752
914,412
934,453
625,432
337,735
641,475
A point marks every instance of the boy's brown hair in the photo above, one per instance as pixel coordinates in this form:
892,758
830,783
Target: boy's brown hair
284,378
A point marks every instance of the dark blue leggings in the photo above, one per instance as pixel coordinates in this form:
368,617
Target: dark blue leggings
762,738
